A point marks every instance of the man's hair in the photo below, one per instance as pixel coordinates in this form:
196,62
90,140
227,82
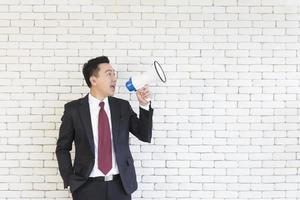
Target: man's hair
91,68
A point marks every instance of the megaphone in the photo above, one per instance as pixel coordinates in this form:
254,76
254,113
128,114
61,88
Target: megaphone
154,74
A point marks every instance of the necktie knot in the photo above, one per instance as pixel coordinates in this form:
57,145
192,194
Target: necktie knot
101,104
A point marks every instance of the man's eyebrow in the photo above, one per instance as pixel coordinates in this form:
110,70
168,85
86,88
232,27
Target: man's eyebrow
109,70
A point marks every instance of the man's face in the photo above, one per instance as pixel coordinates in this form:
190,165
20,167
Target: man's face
105,82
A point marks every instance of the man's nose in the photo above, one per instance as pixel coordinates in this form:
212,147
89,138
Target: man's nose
114,78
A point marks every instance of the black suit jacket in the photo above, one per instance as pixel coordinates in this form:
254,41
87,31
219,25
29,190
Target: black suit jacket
76,127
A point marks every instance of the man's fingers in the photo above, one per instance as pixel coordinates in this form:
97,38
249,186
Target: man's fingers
144,95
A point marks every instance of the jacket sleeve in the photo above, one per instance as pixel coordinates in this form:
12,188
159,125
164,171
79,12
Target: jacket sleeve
141,127
64,146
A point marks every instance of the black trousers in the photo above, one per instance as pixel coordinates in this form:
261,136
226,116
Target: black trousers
100,190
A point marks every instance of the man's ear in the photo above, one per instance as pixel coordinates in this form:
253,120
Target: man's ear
93,80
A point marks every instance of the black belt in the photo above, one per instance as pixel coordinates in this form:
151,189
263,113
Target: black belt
105,178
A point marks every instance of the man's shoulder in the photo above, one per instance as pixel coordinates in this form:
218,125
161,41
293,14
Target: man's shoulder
75,103
118,100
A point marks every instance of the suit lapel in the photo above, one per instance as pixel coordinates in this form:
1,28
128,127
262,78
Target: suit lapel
85,116
115,114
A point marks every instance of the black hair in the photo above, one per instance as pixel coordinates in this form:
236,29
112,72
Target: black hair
91,68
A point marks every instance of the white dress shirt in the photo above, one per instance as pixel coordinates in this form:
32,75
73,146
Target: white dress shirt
94,111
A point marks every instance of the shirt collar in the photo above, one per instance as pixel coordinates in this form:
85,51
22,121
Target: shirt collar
95,102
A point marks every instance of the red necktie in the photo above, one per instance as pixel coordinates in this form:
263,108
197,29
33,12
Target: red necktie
104,142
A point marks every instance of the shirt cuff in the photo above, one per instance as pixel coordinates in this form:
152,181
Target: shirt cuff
145,107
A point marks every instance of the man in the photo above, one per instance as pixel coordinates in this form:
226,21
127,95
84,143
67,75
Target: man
99,126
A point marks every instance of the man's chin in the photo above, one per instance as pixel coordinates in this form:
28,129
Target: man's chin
111,94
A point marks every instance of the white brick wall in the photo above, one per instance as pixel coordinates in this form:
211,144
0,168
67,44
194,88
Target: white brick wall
226,124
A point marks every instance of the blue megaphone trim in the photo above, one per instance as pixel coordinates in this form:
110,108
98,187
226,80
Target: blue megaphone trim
130,86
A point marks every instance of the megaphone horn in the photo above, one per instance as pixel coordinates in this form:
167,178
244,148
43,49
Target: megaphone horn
136,82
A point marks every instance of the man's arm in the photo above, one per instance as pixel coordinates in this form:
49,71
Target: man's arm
141,127
64,146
